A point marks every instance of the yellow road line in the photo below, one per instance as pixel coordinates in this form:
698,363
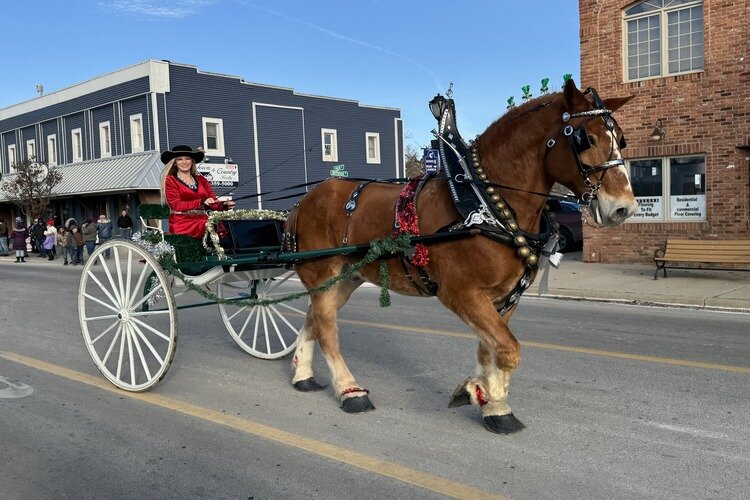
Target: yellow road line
378,466
556,347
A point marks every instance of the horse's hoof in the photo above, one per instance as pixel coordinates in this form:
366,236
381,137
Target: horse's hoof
503,424
460,397
357,404
308,385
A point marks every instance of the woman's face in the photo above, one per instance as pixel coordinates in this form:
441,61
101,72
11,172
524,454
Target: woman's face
183,163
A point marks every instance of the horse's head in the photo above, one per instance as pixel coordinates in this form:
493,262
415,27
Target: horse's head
585,154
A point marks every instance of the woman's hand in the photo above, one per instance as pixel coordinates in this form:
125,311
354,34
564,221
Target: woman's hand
209,201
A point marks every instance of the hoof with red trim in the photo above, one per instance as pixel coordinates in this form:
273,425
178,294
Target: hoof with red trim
503,424
357,404
308,385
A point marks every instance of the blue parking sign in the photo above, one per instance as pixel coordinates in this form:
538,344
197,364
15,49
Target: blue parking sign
431,161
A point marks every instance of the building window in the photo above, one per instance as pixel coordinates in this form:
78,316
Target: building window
12,159
372,141
213,136
76,144
663,37
330,144
105,140
52,149
31,149
136,133
669,189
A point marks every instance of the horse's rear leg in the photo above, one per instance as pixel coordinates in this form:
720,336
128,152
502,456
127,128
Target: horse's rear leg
320,325
498,356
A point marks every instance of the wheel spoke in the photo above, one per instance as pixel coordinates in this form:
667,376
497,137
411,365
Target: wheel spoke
274,284
148,344
149,313
278,333
230,318
265,329
111,308
255,333
95,318
134,291
112,345
147,296
109,277
129,278
150,328
247,320
118,268
92,342
106,292
122,352
130,355
140,352
287,306
291,326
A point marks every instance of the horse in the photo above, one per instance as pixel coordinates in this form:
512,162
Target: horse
522,154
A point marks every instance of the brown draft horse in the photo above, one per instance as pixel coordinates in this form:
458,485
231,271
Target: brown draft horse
516,152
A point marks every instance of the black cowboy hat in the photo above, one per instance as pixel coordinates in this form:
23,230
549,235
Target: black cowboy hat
177,151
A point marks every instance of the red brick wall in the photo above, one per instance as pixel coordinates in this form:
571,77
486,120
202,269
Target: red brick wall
703,113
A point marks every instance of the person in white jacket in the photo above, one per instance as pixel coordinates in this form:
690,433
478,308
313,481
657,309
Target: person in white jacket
50,235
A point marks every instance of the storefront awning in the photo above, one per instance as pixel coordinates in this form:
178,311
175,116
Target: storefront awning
109,175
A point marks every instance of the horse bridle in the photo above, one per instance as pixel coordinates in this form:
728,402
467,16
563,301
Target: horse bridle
579,142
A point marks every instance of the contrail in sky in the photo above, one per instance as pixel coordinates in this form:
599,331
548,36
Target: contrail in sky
345,38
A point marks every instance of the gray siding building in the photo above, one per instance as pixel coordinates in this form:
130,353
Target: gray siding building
105,135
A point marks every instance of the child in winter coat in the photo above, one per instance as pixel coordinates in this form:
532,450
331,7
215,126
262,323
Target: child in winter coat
50,236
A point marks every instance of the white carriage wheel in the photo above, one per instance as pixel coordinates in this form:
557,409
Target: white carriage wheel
267,332
128,315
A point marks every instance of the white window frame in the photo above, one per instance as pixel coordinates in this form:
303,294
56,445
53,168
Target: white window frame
666,195
375,160
334,154
31,150
12,156
105,140
663,40
137,141
52,149
76,145
219,150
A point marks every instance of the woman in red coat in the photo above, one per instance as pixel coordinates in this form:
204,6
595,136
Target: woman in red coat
188,193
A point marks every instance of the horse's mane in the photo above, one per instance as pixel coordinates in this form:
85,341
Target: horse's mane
524,108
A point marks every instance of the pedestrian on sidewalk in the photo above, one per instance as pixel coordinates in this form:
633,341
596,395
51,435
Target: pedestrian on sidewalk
104,231
125,225
4,232
89,235
62,243
76,245
20,233
37,237
50,237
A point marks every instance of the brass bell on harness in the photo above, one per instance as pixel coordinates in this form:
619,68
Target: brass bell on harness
524,252
506,214
513,226
532,259
483,177
500,205
491,190
519,240
495,197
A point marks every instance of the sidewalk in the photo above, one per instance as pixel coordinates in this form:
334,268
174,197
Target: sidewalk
634,283
629,283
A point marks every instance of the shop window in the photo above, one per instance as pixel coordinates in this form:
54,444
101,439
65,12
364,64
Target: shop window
330,144
372,140
31,149
136,133
663,37
669,189
213,136
12,159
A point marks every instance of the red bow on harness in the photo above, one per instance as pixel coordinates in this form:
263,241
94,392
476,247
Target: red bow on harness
407,221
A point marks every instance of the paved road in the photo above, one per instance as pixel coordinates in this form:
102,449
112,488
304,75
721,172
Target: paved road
620,402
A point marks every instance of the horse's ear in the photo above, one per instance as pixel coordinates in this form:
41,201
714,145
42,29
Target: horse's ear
570,91
616,103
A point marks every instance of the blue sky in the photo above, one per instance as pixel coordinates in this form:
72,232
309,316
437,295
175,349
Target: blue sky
394,53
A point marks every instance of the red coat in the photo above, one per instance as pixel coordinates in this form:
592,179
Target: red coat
181,198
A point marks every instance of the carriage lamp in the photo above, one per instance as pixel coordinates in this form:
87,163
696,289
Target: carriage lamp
659,133
437,104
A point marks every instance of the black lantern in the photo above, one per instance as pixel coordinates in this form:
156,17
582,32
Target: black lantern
437,104
659,133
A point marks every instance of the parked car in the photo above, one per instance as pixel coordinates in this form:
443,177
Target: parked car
568,215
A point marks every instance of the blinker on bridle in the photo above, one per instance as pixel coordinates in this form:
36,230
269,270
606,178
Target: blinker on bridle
579,141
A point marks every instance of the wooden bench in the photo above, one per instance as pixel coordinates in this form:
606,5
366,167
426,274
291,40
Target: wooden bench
702,252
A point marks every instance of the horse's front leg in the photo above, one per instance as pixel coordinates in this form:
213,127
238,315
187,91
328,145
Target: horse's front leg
498,356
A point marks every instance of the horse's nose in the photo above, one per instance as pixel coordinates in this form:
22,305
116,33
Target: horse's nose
621,213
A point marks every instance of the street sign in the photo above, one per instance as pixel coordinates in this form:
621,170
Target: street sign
430,160
338,171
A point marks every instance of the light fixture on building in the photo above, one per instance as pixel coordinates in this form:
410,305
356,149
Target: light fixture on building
659,133
436,106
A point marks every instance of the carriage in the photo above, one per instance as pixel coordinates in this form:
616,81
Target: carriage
488,203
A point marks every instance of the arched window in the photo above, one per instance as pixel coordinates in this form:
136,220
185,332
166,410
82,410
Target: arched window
663,37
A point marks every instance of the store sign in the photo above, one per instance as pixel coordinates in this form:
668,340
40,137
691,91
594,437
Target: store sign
688,207
430,161
650,208
338,171
220,174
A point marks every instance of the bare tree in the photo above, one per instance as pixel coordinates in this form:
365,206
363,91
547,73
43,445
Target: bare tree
413,161
30,186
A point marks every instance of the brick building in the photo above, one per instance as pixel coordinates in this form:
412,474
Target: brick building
688,128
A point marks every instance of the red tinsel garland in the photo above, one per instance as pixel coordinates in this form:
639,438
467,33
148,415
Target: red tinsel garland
408,221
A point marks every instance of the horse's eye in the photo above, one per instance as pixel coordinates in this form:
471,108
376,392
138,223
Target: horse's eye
623,142
592,140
